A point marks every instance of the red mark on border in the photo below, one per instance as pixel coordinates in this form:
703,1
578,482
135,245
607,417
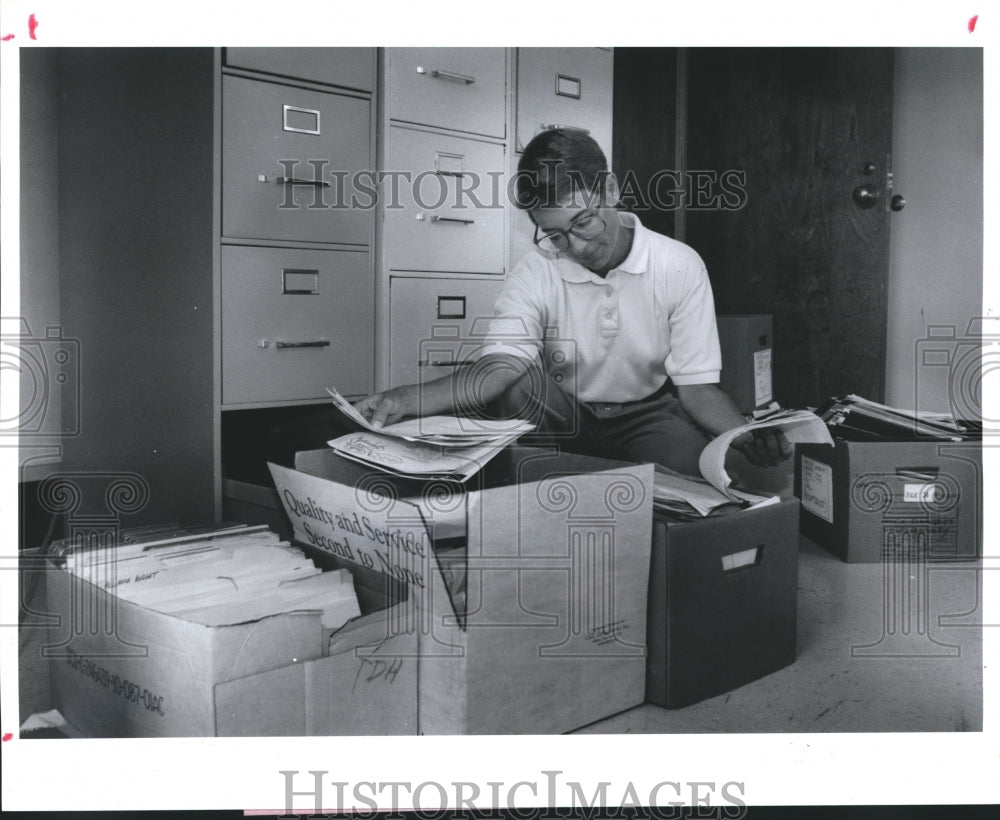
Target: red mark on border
7,37
8,736
972,23
32,25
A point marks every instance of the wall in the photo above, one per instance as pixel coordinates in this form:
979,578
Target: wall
936,252
136,247
40,400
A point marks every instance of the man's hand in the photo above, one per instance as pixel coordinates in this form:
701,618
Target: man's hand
766,447
389,407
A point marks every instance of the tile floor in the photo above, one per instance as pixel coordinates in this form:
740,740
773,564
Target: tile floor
880,649
860,666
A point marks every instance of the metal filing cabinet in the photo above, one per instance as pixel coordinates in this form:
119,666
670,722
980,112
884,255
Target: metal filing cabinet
451,217
437,323
344,67
443,240
566,88
559,87
463,89
295,320
290,159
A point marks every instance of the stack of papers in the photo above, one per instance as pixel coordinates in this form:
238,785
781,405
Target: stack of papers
854,418
687,497
228,576
441,447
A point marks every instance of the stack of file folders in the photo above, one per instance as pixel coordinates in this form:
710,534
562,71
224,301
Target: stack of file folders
854,418
213,576
714,491
429,447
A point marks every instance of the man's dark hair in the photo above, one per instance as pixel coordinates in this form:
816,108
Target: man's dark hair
558,163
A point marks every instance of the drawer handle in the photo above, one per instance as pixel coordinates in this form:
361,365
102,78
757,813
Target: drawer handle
549,126
440,74
318,183
317,343
453,219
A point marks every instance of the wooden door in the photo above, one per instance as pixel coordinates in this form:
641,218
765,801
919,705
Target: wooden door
806,127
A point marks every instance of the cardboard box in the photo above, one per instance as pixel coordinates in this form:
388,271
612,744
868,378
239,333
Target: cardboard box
121,670
722,602
866,500
745,342
536,625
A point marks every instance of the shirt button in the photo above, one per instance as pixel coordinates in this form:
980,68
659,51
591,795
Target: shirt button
609,293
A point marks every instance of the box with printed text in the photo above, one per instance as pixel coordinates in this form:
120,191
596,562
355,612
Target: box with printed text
525,606
866,501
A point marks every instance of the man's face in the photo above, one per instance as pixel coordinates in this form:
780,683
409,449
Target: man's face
594,253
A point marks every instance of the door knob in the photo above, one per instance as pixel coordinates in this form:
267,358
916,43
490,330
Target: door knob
865,196
898,202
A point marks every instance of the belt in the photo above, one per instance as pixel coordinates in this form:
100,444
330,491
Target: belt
604,409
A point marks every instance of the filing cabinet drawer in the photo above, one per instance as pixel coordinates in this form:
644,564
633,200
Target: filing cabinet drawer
436,323
293,322
451,194
290,165
346,67
464,89
569,87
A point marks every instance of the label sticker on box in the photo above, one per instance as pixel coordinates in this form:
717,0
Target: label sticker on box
817,488
923,493
762,377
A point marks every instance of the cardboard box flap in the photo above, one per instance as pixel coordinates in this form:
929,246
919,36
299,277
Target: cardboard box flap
567,563
366,525
368,685
441,503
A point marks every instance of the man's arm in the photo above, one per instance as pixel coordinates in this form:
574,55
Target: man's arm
715,413
465,389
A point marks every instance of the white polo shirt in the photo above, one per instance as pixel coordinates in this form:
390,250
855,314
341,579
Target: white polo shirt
615,339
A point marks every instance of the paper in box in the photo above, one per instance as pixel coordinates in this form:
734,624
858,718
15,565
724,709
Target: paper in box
864,501
722,602
121,670
547,632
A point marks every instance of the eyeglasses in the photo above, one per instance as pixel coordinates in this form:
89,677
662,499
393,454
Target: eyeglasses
587,226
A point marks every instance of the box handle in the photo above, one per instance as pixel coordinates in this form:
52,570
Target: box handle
743,559
918,473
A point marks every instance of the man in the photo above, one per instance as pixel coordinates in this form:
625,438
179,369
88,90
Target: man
605,336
